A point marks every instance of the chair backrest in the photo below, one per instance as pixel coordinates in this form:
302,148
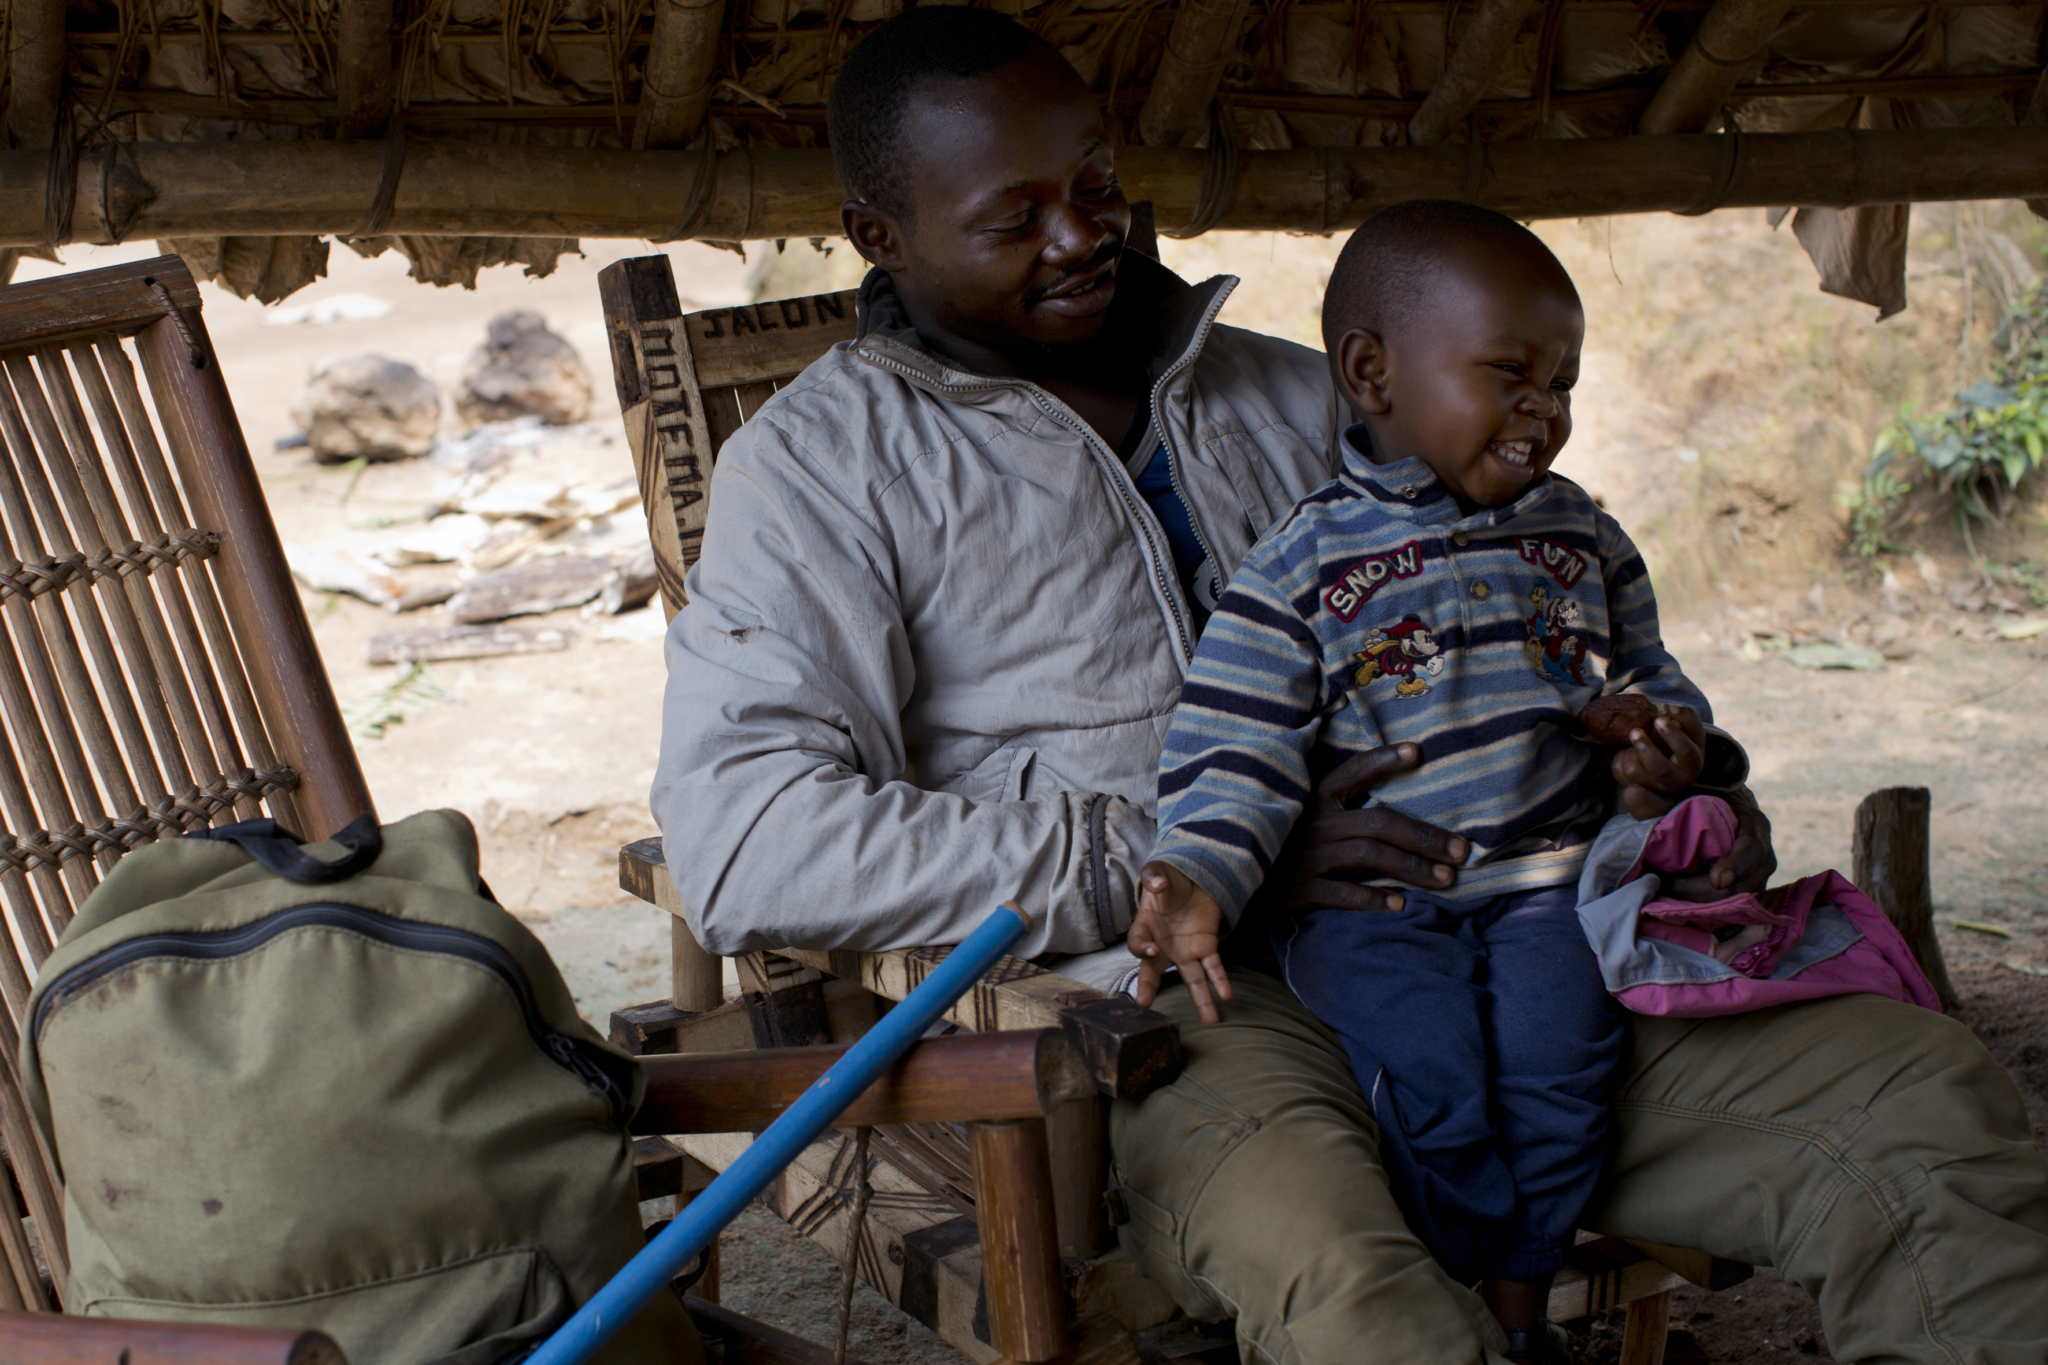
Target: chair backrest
686,383
157,672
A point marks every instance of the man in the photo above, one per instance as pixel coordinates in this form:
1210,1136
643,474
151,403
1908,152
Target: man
950,585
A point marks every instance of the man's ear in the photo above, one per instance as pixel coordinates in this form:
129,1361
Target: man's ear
1362,371
874,234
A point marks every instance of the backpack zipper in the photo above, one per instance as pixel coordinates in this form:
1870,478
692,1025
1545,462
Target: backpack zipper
570,1053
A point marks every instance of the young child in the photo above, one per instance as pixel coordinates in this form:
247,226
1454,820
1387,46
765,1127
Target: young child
1445,592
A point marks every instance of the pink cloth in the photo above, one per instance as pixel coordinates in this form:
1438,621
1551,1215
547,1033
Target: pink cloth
1752,934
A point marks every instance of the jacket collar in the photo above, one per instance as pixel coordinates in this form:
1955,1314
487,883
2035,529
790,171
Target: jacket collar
1165,318
1410,489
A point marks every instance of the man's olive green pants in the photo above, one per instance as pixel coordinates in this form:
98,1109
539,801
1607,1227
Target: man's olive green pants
1873,1152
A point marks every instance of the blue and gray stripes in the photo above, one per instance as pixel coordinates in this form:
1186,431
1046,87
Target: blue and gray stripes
1377,613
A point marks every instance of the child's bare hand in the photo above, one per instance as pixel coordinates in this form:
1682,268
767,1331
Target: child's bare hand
1178,922
1666,758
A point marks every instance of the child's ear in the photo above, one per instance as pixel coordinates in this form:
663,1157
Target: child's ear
1362,371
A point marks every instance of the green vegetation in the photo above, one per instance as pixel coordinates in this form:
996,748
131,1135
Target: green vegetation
1977,455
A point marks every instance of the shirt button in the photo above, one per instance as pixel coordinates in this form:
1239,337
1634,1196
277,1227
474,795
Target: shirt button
1480,589
1459,538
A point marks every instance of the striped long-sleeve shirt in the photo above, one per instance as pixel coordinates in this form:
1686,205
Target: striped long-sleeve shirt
1377,613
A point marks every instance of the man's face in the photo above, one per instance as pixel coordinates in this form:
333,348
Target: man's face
1479,385
1019,219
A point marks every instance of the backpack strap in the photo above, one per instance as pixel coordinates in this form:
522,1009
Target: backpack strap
278,849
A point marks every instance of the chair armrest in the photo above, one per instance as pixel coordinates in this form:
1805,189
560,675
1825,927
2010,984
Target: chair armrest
968,1078
58,1339
1129,1049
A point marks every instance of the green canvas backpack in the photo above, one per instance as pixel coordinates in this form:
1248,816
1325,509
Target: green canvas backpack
335,1087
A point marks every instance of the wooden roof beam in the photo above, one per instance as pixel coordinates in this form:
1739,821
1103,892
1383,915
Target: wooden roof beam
35,71
1203,39
364,80
2035,115
1479,54
262,188
1730,41
675,80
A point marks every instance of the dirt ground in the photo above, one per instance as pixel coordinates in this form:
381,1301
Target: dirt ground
1724,404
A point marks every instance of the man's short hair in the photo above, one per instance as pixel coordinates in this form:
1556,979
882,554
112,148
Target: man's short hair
864,113
1383,277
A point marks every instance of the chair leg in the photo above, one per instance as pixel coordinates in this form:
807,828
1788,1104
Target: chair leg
1027,1309
1644,1332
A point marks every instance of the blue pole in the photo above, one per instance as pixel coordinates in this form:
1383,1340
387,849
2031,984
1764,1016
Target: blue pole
799,1125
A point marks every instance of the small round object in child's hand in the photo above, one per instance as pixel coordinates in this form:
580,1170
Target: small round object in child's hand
1611,719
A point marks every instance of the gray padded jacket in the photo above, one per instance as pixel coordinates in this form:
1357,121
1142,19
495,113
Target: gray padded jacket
935,636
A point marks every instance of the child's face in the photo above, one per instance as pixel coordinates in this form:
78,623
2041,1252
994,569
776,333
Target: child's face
1478,386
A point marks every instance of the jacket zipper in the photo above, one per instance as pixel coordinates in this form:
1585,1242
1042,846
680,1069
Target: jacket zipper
1180,491
1139,516
569,1053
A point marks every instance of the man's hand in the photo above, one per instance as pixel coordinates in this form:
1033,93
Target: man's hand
1333,845
1178,922
1748,864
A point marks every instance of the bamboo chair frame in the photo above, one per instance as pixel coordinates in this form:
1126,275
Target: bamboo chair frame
685,384
157,672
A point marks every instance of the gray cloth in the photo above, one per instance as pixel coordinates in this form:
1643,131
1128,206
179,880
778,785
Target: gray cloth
934,637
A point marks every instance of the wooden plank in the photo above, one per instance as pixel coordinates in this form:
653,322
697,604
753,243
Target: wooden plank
1480,51
1603,1273
663,412
434,643
696,977
262,602
35,71
1732,41
1646,1329
767,342
1130,1050
92,302
1708,1271
1892,866
675,81
1019,1247
530,589
315,186
659,1027
53,1339
958,1079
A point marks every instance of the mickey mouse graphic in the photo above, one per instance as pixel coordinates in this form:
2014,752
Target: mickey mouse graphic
1404,651
1553,646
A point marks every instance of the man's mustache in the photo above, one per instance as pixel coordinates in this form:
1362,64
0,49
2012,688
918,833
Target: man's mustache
1109,251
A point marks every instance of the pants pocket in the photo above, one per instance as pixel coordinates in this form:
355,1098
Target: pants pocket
1168,1148
472,1312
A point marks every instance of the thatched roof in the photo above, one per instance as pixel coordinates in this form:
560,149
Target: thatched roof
474,132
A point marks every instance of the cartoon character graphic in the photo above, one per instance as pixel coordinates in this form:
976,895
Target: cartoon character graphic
1406,651
1554,647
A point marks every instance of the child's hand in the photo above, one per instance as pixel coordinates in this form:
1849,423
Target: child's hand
1178,922
1661,761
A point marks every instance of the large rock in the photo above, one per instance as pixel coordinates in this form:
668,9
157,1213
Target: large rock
368,407
524,369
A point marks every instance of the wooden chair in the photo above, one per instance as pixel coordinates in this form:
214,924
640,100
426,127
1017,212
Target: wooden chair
685,384
158,673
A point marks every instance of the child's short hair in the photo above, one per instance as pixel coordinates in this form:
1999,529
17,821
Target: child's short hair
1381,279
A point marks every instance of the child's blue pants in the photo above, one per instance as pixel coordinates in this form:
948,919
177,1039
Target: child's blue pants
1484,1039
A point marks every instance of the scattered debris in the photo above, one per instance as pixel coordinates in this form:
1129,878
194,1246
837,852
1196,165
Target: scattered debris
635,627
2025,629
328,311
2023,967
324,569
523,368
432,595
436,643
528,589
415,689
1979,927
631,586
368,407
443,540
1833,654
